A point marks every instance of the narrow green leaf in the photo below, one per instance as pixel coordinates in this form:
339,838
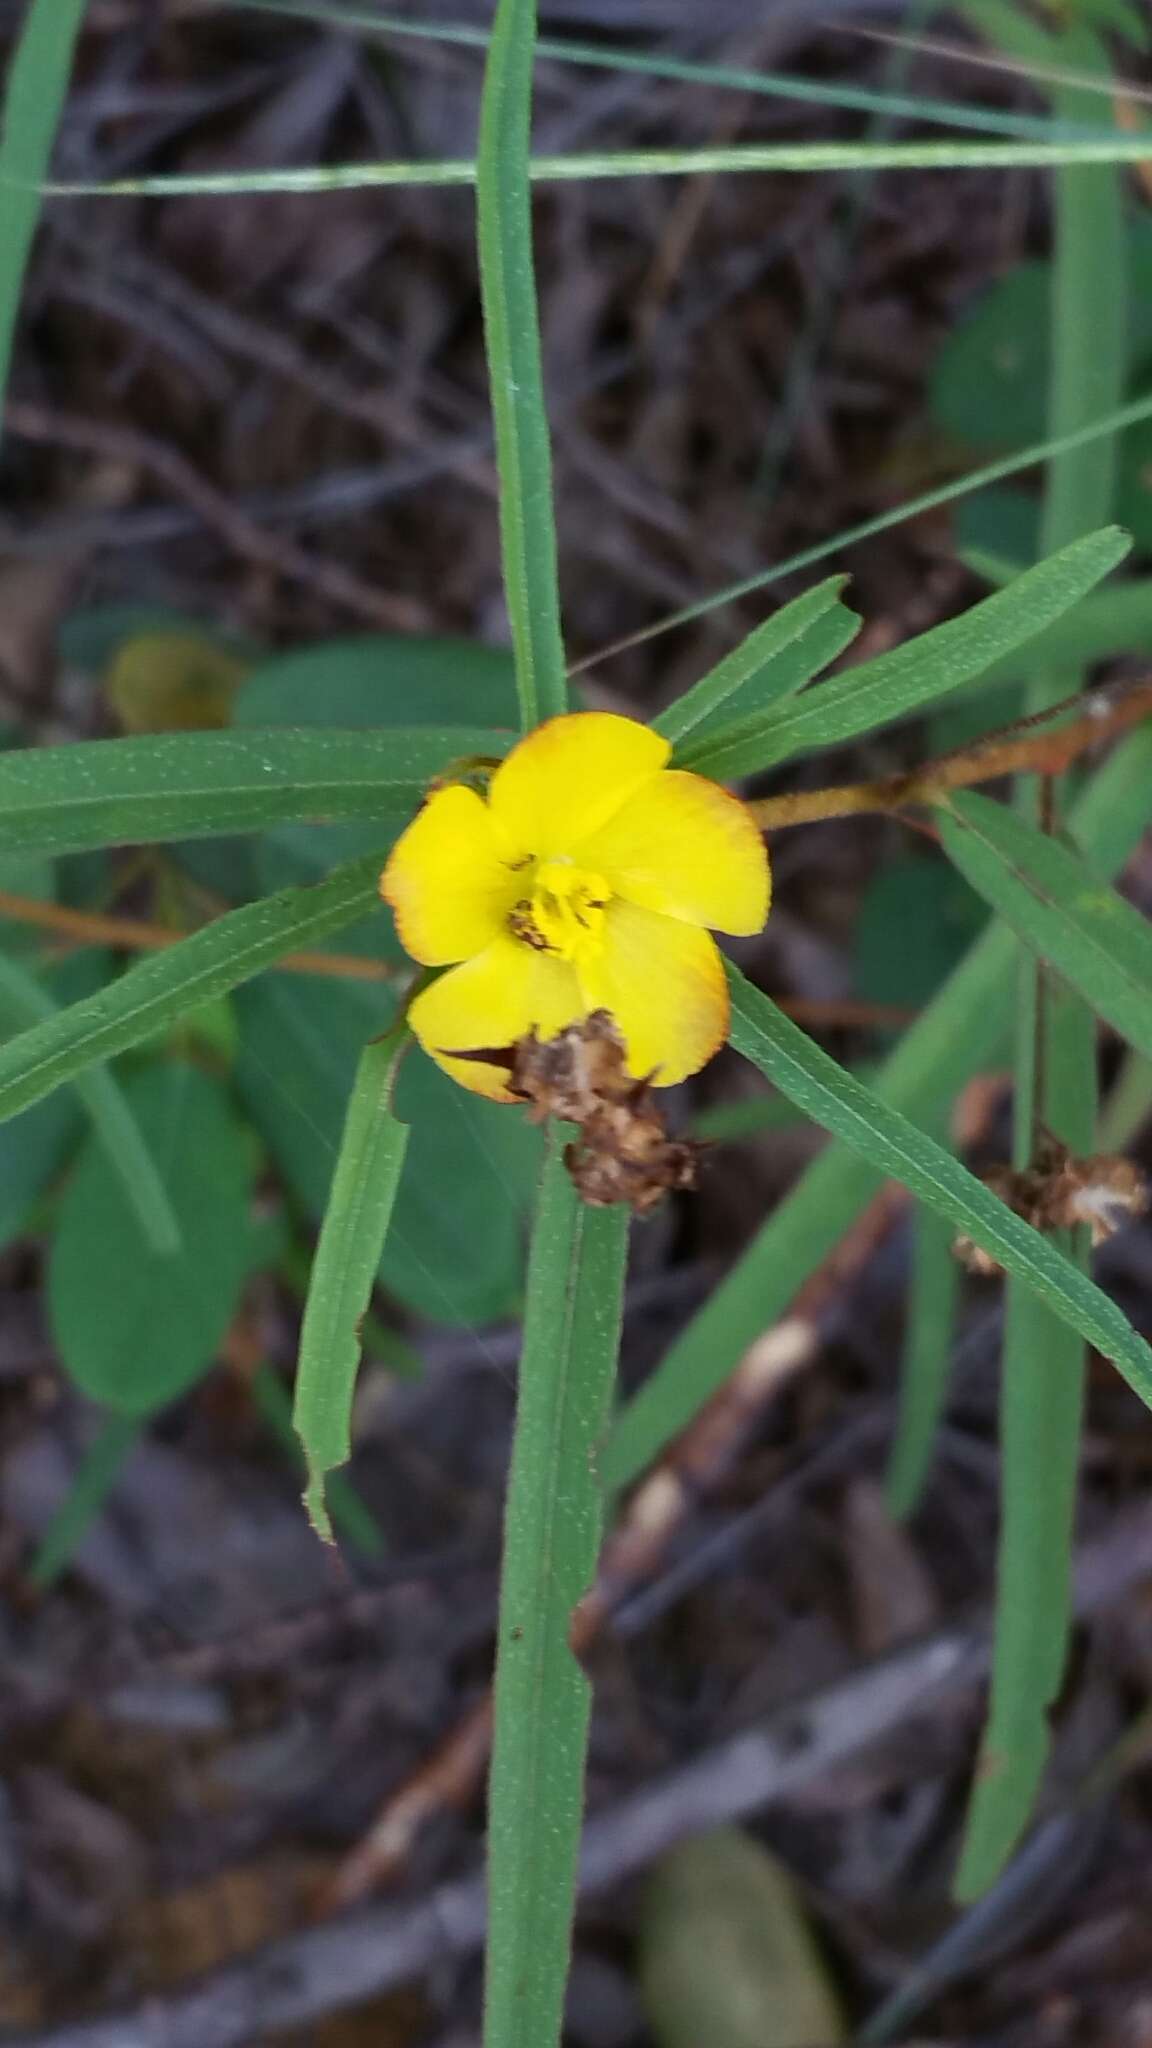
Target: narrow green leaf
932,1303
1113,621
92,1482
37,89
351,1240
191,785
924,669
901,1151
23,998
165,986
515,374
1044,1366
658,64
1041,1413
799,158
350,1515
777,658
1064,911
135,1328
552,1537
957,1036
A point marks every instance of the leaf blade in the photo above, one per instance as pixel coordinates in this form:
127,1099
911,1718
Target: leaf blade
927,668
164,986
1065,913
364,1185
896,1147
95,793
554,1516
515,372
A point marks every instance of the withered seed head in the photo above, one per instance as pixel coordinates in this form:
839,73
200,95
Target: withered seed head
623,1152
1059,1192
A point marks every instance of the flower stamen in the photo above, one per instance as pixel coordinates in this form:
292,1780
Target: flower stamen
564,914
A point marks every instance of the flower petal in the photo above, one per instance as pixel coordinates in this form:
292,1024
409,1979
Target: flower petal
493,1000
567,778
451,878
682,845
664,983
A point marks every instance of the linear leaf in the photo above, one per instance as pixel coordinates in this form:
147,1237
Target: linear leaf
25,1000
352,1235
95,1476
777,658
959,1034
191,785
515,373
1065,912
158,990
1043,1368
37,89
899,1149
924,669
657,64
933,1299
553,1525
800,158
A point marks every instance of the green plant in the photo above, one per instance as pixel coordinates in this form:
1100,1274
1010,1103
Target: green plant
232,817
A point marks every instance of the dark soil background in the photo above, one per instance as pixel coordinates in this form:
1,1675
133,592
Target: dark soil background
270,413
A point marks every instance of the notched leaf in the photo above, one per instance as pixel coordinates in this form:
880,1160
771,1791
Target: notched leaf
1059,1192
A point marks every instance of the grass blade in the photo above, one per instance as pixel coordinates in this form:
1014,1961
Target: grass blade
933,1300
777,657
364,1185
554,1517
960,1033
656,64
191,785
33,104
1067,914
924,669
1043,1367
165,986
1005,466
900,1150
515,374
797,158
25,1001
96,1475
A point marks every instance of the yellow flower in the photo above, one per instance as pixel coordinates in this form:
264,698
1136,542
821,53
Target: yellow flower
583,881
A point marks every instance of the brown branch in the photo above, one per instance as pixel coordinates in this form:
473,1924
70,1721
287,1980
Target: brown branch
135,935
243,534
1103,715
92,928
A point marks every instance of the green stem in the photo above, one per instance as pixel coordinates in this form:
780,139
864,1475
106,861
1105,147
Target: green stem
553,1530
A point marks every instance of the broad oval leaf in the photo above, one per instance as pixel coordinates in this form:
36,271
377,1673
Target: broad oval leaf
727,1957
134,1328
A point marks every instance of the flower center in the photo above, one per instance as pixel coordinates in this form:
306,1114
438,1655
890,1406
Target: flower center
564,914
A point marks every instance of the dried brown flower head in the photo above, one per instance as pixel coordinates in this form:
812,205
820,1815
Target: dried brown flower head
623,1152
1059,1192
